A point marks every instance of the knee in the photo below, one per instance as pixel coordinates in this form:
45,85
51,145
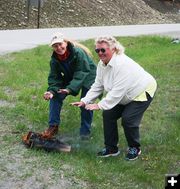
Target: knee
130,122
125,120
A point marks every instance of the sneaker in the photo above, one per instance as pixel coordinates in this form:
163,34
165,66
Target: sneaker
107,153
133,153
50,132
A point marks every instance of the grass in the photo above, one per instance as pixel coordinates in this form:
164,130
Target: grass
23,80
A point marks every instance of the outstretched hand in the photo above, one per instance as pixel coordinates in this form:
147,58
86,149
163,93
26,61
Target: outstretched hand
87,107
63,91
92,107
48,95
78,104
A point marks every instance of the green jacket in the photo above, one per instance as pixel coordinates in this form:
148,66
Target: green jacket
77,71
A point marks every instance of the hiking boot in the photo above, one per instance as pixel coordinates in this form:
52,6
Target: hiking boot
133,153
107,153
50,132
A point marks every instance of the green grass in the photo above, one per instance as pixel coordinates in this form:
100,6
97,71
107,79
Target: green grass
23,80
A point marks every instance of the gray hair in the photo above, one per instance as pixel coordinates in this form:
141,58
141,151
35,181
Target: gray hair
111,42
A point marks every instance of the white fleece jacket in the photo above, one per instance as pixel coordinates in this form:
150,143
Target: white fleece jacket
122,79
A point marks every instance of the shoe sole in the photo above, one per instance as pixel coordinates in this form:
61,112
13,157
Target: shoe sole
139,153
111,155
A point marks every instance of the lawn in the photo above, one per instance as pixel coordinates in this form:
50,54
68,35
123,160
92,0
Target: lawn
23,80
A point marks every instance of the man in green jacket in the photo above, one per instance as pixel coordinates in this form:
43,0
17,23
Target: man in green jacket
71,70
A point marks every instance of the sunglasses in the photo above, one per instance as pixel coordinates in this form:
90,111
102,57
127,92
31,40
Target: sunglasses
102,50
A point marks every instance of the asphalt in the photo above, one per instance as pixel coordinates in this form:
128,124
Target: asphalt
17,40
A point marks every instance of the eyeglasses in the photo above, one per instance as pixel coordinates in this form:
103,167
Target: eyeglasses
102,50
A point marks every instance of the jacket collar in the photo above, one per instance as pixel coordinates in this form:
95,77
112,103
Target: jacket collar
110,63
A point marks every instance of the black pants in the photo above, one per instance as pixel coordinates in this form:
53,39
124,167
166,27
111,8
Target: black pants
131,115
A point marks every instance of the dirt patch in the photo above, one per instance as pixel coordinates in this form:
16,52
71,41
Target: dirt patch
18,170
9,93
4,103
165,6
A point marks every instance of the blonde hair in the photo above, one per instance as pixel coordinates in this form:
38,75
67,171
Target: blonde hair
111,42
77,44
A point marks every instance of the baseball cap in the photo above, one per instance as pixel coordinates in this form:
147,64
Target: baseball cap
57,38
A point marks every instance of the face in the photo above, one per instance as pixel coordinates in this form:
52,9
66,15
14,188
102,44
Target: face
104,52
60,48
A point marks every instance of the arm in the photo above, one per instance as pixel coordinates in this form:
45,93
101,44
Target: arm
54,78
84,68
120,85
87,107
94,92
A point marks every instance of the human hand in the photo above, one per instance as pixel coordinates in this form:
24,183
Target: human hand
92,107
78,104
63,91
48,95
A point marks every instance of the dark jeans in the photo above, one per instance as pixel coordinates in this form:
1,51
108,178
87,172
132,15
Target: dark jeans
55,113
131,115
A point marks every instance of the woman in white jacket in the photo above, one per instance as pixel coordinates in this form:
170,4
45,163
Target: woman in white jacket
129,91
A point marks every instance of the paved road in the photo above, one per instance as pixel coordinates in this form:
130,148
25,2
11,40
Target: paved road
16,40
